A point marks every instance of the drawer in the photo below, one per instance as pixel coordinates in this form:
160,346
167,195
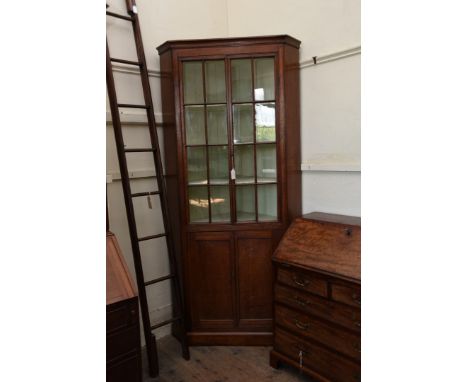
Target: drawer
126,370
314,357
120,316
346,316
350,295
122,342
302,281
304,325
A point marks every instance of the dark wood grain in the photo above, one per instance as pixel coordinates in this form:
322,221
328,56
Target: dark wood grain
326,246
344,315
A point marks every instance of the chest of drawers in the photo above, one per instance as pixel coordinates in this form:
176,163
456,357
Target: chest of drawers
317,298
123,349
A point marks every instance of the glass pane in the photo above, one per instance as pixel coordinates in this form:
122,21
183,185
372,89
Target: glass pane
215,81
219,168
217,125
264,79
195,125
267,202
242,116
241,77
198,204
220,204
193,82
244,164
196,165
265,122
266,163
245,203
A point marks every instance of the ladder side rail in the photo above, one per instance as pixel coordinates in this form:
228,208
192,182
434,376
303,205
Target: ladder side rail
125,179
159,176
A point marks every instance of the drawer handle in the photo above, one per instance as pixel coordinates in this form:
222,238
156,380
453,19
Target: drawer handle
301,325
349,231
357,347
300,347
300,282
301,301
356,298
358,324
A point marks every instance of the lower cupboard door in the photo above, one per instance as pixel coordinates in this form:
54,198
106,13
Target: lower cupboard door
255,280
211,283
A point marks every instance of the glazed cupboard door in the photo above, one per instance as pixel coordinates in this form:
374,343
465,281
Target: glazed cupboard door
254,138
230,140
206,141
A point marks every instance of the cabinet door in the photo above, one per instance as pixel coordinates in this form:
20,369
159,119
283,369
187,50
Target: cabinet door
211,280
255,283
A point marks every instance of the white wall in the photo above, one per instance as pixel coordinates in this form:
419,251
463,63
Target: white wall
330,92
330,100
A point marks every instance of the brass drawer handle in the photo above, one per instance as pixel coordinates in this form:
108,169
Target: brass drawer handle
301,325
300,282
301,301
357,347
356,298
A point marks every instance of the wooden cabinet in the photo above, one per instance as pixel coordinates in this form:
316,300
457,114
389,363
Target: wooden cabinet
318,297
232,158
123,349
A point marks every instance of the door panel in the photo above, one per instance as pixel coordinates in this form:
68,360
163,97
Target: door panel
254,250
211,265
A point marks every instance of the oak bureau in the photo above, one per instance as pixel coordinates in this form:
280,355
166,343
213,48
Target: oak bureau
317,297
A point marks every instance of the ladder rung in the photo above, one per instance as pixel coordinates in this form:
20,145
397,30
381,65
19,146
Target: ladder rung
145,194
165,323
136,63
123,17
132,106
151,282
148,150
152,237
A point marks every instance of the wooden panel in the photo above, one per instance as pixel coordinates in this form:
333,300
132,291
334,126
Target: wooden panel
327,363
324,246
125,370
119,285
212,280
328,310
338,339
350,295
303,281
255,280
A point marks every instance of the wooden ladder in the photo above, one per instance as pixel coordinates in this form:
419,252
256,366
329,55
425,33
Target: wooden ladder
122,151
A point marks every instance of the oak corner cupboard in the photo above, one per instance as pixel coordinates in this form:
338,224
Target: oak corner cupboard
232,159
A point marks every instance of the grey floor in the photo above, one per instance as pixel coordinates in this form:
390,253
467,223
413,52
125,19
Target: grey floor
217,364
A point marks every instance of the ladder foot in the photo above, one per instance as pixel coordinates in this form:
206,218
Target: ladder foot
153,361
